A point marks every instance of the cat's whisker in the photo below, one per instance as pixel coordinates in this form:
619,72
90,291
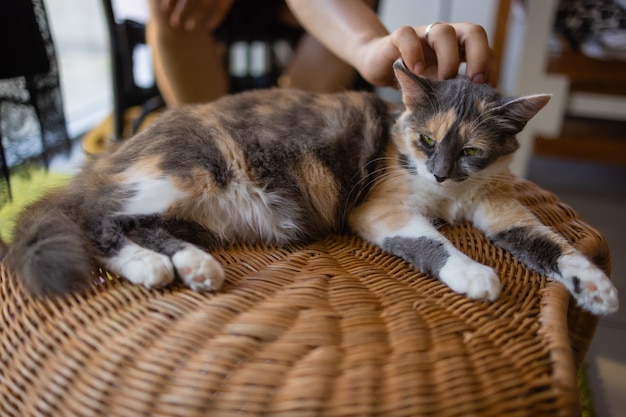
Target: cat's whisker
491,179
373,177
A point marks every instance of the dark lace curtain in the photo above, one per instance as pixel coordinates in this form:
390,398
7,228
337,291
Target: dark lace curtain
32,122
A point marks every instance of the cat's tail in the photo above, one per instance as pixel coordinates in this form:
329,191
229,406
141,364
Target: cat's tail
50,253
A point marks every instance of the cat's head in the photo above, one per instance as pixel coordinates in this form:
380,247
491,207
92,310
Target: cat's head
453,129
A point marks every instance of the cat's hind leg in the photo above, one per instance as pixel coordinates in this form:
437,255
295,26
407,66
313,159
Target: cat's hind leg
140,265
121,255
196,268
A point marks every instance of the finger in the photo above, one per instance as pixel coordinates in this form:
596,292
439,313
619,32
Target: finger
408,43
166,6
175,8
474,41
197,12
442,38
159,11
184,14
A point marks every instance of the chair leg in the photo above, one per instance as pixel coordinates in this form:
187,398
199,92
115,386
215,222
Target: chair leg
4,167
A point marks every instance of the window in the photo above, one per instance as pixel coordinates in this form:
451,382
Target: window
81,40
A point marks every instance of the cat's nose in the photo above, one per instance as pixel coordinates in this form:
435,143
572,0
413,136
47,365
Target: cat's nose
440,179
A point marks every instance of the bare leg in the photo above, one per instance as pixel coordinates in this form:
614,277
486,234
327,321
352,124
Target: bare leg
315,68
188,65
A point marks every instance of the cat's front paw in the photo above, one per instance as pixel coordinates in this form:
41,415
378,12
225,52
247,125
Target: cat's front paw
591,288
466,276
198,270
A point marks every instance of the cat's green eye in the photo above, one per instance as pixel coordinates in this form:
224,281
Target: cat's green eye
427,140
471,151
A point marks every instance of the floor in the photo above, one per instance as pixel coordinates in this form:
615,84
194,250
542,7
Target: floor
598,194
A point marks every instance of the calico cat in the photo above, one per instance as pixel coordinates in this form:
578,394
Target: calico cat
280,166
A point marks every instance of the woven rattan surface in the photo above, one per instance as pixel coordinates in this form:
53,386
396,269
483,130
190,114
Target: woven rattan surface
332,328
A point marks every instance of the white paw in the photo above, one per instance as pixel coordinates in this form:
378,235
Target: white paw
198,270
591,288
142,266
466,276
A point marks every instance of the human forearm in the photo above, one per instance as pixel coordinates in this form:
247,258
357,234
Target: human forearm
352,31
345,27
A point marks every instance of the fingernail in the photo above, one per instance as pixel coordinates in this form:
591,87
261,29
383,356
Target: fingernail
418,68
478,78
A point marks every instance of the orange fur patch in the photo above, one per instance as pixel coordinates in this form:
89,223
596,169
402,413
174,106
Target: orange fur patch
321,186
145,167
440,124
507,210
467,132
383,207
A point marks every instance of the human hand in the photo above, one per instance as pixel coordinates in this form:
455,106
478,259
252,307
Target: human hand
195,14
437,55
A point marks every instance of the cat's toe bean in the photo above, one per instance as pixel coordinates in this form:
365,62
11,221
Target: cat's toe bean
602,300
198,269
592,289
471,278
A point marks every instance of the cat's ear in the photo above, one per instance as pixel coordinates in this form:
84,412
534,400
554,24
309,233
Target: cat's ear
518,111
415,89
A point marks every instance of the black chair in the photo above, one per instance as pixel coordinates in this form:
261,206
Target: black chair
124,36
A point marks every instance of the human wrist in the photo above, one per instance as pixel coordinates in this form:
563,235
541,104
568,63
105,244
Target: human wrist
360,53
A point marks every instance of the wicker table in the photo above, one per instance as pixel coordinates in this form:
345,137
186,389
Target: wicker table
332,328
